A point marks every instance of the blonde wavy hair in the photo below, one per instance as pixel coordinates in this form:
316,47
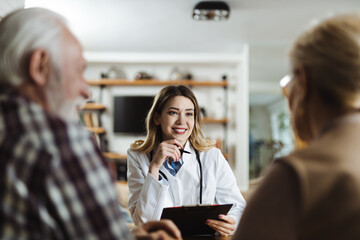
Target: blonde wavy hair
330,54
154,134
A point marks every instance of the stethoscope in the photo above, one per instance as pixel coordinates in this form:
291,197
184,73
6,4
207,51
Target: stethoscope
198,160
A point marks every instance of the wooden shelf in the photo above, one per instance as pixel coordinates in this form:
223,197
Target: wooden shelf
124,82
114,156
215,120
93,106
98,130
122,182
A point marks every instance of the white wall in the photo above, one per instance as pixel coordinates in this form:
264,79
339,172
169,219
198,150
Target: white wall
7,6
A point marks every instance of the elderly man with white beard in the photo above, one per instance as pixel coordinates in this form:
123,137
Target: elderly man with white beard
54,183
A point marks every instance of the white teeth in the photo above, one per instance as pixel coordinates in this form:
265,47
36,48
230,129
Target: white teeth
180,130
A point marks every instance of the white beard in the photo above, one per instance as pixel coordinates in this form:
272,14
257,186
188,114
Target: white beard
69,109
66,109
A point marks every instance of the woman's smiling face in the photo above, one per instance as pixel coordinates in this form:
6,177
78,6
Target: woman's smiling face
177,119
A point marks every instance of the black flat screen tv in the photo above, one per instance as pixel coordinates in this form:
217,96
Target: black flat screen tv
130,113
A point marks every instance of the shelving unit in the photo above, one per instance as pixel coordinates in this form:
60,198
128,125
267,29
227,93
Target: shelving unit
115,161
206,69
92,121
123,82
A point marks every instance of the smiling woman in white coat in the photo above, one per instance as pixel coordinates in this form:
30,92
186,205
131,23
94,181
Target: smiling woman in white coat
177,166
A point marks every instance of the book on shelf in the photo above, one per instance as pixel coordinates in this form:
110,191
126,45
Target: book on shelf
94,119
113,170
87,119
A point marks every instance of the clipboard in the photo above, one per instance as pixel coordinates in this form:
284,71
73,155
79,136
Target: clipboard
191,219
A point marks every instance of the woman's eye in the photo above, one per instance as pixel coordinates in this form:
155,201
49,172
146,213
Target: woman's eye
172,112
190,114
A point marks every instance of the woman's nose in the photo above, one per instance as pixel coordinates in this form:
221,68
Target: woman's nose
180,119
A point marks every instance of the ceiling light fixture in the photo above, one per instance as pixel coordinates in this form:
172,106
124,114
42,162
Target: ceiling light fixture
211,10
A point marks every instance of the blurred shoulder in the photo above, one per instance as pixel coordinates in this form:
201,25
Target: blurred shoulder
133,154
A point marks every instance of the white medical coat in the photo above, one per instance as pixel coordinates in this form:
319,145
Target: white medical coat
148,196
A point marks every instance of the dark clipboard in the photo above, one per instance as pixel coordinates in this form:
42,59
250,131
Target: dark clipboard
191,219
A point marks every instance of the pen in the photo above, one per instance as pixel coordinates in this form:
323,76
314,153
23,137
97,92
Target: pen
181,151
184,151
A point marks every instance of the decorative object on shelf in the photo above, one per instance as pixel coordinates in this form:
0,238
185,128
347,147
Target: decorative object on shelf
142,76
103,75
188,76
115,72
175,74
111,74
211,10
203,112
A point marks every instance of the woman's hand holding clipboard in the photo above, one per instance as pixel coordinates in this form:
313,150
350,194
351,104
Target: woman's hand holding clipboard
192,220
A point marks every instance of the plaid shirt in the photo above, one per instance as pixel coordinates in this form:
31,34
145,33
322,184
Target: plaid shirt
54,183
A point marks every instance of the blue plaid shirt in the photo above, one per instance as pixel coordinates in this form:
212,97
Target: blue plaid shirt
54,183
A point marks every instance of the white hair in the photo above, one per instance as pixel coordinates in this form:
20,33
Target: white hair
22,32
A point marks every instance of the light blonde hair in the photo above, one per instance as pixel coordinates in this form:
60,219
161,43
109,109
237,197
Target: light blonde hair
154,134
330,55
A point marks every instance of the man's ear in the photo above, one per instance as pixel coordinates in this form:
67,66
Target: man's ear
39,66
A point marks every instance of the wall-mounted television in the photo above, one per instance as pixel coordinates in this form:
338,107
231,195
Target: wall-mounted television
130,113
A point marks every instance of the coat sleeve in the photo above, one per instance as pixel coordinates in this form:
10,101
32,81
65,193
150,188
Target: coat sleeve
146,194
227,190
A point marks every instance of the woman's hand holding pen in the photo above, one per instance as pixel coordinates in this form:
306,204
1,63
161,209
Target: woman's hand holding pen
167,149
224,227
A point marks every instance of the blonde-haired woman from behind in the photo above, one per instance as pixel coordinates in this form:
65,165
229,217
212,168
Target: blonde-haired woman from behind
314,192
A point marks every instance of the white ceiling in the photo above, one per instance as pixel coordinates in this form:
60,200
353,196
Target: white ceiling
268,26
167,25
